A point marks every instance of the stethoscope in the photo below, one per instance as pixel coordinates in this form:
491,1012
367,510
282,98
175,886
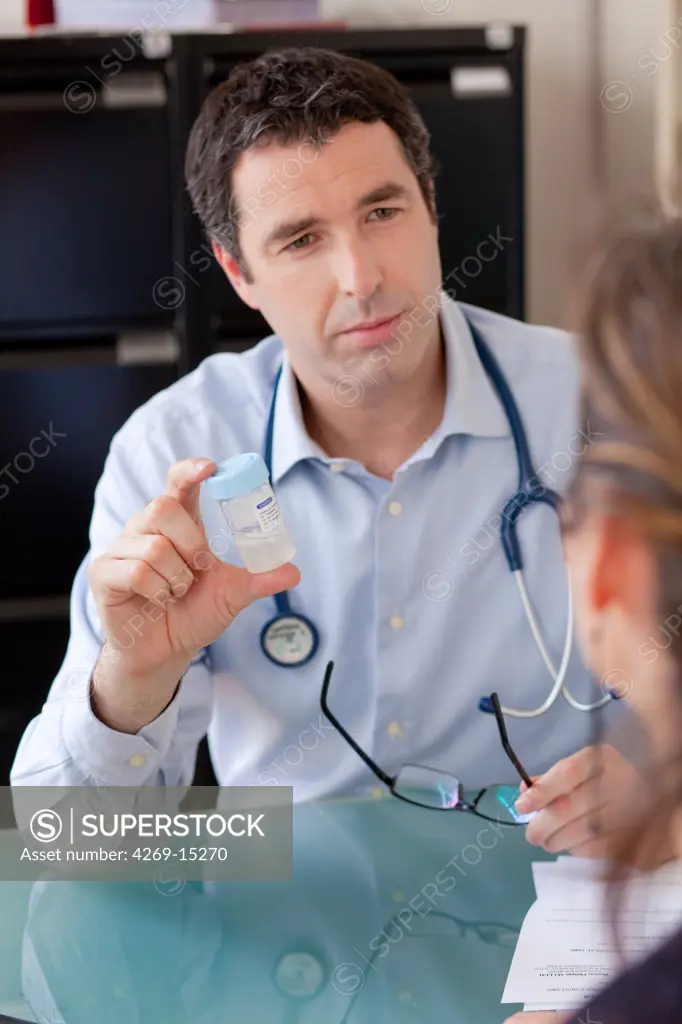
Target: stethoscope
290,639
301,976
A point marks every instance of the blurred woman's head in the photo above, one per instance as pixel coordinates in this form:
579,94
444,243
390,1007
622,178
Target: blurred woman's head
623,513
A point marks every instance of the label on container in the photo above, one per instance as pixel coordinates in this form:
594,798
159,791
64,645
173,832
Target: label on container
268,515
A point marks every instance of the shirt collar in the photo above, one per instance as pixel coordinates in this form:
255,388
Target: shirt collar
471,404
291,442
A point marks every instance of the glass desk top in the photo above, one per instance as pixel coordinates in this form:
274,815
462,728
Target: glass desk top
395,913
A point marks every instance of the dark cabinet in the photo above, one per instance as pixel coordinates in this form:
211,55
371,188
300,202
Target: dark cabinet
32,651
56,425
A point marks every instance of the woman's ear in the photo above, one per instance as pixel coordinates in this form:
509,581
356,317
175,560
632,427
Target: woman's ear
614,584
624,569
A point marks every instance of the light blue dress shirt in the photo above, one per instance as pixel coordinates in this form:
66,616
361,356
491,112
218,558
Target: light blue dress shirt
405,579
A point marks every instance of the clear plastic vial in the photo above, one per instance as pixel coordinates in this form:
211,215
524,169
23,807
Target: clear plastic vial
241,487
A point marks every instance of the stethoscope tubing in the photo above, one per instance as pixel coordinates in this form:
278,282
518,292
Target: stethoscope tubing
529,492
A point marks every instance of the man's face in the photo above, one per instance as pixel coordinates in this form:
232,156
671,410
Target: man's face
333,239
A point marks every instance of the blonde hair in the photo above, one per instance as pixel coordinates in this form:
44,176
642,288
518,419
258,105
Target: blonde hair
629,313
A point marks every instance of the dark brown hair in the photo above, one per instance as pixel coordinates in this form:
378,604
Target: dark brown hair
630,335
293,95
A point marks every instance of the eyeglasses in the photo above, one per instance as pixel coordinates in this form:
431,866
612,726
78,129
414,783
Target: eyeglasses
438,790
489,932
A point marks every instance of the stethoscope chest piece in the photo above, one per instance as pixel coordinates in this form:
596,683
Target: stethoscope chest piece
289,640
299,975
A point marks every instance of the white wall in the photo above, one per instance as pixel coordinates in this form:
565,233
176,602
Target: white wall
562,102
640,55
11,14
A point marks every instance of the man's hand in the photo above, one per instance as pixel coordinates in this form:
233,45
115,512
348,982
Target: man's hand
580,801
162,595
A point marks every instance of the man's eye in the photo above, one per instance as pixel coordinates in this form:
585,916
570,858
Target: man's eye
388,210
297,243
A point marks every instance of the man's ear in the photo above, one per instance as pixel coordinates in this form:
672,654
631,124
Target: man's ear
234,274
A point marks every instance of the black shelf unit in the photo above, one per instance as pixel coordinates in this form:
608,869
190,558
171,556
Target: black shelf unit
85,231
101,302
85,178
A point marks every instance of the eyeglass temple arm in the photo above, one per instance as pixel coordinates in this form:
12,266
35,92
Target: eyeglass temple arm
499,718
388,780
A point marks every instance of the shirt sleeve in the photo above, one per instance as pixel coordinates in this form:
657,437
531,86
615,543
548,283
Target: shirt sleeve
66,745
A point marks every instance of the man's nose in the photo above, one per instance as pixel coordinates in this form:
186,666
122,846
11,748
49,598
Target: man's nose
358,271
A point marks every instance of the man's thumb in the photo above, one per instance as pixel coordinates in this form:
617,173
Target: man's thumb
238,588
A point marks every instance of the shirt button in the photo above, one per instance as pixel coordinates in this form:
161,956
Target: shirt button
394,729
396,622
398,895
395,508
137,760
405,996
337,467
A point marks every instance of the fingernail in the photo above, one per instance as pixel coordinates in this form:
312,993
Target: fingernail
524,804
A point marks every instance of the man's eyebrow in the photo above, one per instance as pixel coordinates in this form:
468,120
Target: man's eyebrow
389,190
289,228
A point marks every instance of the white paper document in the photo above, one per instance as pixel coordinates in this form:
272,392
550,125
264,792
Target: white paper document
567,951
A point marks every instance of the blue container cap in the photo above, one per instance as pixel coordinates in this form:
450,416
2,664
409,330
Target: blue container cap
238,475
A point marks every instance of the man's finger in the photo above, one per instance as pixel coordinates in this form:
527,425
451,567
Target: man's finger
564,777
166,517
184,480
235,588
160,554
114,580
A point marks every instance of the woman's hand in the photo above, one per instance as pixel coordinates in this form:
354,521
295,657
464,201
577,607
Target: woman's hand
593,789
